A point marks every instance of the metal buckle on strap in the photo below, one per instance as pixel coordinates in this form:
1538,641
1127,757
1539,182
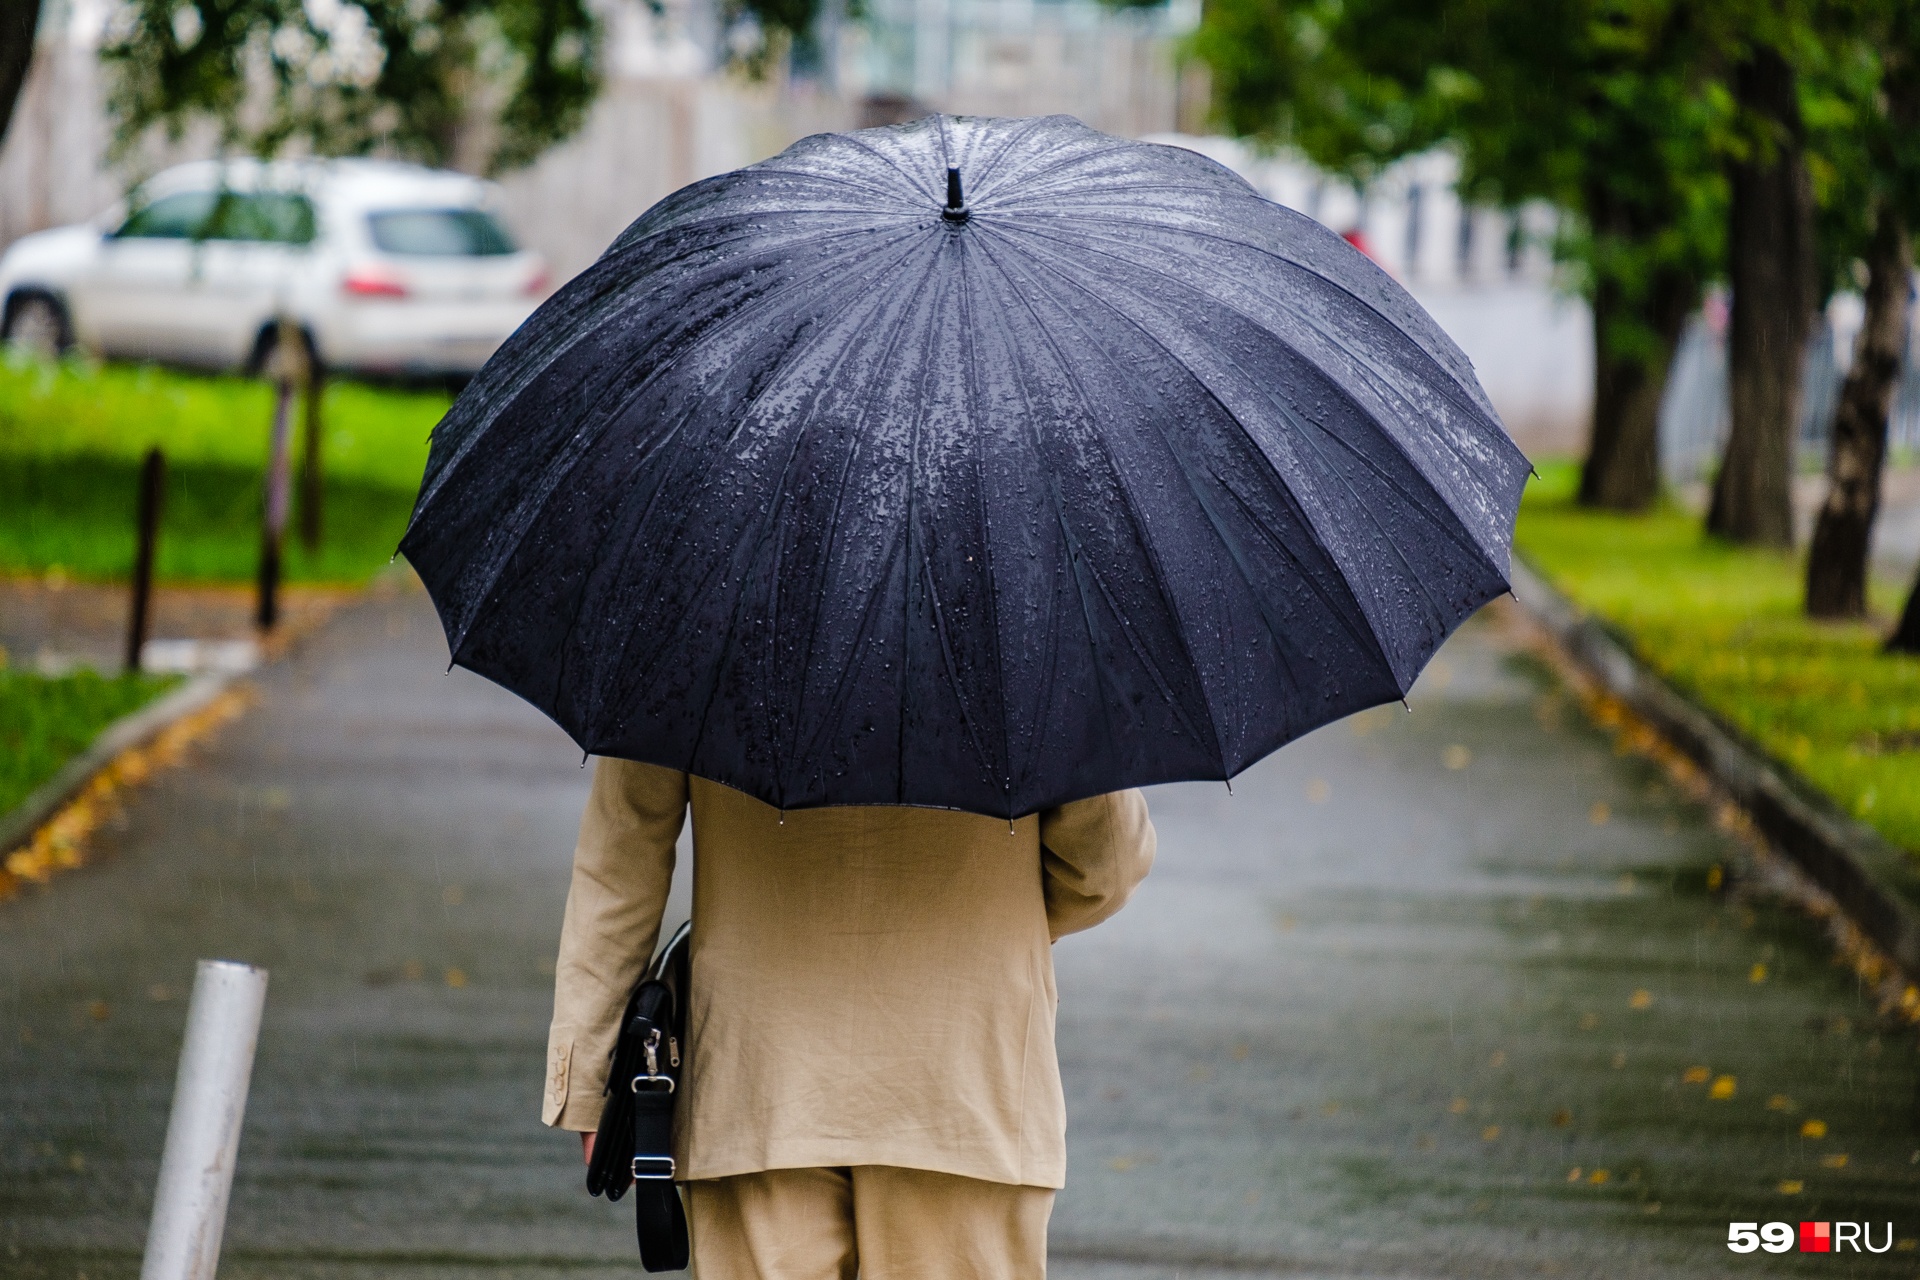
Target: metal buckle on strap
653,1084
660,1168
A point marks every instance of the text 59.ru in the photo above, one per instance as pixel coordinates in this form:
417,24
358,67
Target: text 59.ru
1815,1237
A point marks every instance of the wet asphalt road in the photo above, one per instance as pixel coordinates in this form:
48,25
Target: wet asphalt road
1369,1016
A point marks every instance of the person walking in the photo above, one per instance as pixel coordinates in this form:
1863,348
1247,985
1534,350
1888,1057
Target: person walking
870,1084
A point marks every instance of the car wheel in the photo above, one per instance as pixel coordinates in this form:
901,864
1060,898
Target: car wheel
37,323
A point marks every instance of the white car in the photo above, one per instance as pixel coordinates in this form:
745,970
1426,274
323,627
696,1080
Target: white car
387,269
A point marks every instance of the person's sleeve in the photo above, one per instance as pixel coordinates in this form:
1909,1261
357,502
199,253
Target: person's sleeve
622,871
1093,854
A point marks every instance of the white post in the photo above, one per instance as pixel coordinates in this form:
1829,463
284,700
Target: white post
203,1133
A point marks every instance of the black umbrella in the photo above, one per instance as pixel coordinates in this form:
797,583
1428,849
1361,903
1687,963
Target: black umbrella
973,463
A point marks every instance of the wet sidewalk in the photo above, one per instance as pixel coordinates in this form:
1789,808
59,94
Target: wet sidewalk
1447,993
1432,994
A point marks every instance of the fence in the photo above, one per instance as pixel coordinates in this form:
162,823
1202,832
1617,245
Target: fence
1694,413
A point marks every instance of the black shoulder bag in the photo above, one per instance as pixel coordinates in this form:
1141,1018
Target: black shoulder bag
635,1144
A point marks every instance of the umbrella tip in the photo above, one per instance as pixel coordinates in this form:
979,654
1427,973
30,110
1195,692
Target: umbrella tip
956,210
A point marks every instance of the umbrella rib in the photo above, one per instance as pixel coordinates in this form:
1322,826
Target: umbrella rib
856,140
1452,379
1076,155
971,363
1153,560
561,469
1372,636
1066,529
832,531
584,323
906,593
1310,440
1454,527
833,525
766,524
988,161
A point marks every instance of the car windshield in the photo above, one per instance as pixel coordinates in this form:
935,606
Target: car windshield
439,233
269,216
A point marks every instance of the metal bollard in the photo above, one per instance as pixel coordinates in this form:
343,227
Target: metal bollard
203,1132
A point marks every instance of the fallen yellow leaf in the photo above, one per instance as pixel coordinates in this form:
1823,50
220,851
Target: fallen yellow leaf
1600,813
1598,1176
1715,877
1490,1134
1722,1088
1792,1187
1779,1102
1696,1075
1757,974
1458,1106
1814,1129
1573,1174
1641,999
456,978
1833,1162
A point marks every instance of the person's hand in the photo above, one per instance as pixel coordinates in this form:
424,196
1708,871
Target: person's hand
586,1148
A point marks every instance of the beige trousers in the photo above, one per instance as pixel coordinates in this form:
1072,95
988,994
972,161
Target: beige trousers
875,1222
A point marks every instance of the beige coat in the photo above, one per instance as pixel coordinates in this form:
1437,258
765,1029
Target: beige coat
871,986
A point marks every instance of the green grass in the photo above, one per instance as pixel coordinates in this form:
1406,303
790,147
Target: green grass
45,722
1724,624
72,436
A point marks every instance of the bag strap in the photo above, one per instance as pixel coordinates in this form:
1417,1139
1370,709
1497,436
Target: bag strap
658,1218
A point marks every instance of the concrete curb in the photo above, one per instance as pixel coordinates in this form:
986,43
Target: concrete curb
1877,885
129,731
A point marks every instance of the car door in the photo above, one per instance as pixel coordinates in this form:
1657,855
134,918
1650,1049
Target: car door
256,242
129,304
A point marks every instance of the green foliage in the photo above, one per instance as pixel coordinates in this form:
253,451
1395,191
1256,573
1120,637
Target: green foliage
1860,98
348,78
1725,624
1601,107
399,77
71,437
45,722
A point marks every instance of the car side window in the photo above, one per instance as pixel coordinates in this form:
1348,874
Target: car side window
176,217
269,217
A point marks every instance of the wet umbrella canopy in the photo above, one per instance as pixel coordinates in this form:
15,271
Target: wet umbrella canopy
973,463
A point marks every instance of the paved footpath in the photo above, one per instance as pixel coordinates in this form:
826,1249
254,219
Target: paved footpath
1431,994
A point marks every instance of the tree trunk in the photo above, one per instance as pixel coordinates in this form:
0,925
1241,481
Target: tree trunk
1837,563
1622,470
19,20
1771,267
1906,636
